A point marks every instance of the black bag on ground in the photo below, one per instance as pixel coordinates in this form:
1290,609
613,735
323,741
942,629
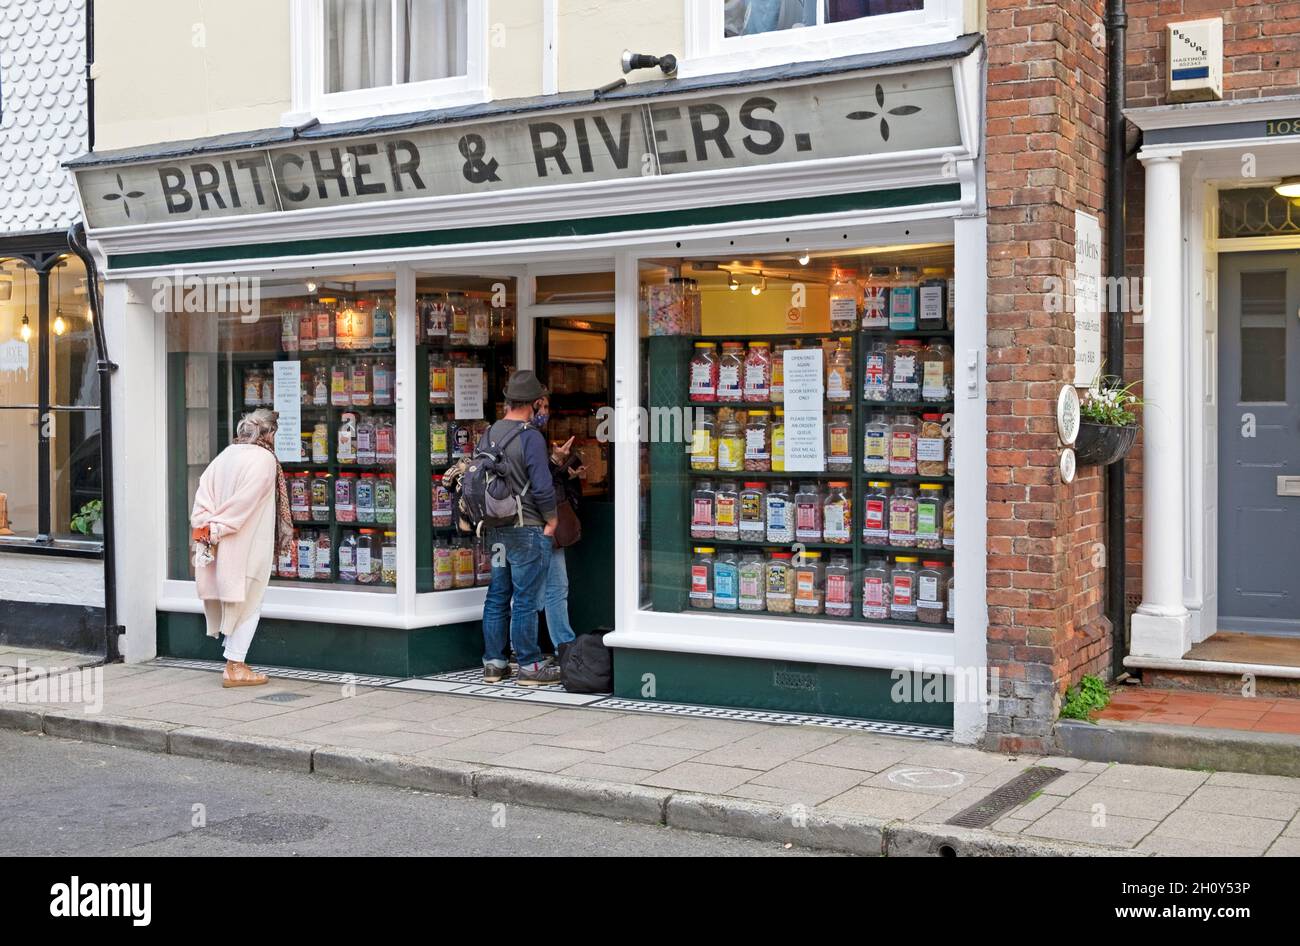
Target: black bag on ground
586,664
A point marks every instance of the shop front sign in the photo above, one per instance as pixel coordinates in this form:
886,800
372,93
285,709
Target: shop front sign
834,118
1087,298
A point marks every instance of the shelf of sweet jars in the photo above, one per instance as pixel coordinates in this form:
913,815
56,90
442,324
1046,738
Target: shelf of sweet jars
853,614
768,546
895,550
836,404
773,474
909,478
925,407
919,333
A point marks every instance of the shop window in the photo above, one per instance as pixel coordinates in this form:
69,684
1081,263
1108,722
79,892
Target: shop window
1263,337
323,354
797,455
727,35
356,58
50,492
465,349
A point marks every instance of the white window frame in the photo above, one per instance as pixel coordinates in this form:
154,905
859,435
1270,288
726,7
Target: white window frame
310,100
708,52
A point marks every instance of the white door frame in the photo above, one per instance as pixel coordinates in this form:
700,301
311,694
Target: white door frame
1207,167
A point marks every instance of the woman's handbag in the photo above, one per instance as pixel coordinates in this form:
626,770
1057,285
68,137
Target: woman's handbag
568,527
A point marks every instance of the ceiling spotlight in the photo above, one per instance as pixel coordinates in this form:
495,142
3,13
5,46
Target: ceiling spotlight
311,286
25,330
1288,187
732,282
759,286
803,259
631,61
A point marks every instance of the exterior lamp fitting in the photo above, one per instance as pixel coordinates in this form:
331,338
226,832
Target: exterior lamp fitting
631,61
1288,187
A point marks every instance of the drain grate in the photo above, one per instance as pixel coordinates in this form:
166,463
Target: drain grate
1001,800
281,697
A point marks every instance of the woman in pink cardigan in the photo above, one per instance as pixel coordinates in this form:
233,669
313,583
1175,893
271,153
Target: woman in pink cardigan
240,520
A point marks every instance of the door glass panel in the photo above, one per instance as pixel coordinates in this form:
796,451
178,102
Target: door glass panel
1263,336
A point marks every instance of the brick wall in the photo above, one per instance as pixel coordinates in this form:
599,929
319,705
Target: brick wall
1261,46
1046,159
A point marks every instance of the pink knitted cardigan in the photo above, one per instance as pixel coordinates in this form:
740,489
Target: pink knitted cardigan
237,486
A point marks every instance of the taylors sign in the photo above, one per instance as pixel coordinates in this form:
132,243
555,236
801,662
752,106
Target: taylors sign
829,119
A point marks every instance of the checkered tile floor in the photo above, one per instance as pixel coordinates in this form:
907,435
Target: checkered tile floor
284,673
470,683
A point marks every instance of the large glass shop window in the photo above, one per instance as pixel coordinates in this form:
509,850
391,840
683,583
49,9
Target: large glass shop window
323,354
797,442
465,351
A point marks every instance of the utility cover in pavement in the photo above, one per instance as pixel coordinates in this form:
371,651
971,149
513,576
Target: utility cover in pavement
1001,800
285,697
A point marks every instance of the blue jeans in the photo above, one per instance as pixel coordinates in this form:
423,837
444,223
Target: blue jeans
556,600
515,594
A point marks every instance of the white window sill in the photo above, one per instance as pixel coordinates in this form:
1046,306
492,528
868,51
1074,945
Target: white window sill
719,60
328,114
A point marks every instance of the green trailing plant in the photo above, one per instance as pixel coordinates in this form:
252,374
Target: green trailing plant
1111,403
86,517
1085,699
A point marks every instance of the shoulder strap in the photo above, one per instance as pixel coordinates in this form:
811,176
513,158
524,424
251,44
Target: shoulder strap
505,441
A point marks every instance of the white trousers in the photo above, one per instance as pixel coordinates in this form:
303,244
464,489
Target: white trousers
240,639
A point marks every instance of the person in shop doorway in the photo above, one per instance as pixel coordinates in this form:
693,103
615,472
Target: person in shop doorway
566,471
521,553
240,521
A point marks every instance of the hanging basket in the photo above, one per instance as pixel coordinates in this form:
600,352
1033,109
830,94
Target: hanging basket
1102,444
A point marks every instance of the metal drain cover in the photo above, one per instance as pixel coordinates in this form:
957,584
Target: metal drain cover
1001,800
285,697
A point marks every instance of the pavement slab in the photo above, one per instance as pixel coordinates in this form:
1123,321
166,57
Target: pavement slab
732,776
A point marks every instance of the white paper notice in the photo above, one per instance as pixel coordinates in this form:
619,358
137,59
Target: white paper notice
469,393
288,404
1087,298
804,392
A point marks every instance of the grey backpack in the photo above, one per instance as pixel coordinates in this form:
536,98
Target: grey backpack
486,496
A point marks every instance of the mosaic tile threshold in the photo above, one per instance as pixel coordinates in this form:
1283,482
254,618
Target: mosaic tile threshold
470,683
282,673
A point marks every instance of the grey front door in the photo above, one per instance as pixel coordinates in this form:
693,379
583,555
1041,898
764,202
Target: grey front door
1259,442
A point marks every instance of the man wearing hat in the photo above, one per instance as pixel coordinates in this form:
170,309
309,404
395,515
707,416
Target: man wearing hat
521,553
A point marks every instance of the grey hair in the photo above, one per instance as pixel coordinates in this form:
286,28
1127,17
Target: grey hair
253,427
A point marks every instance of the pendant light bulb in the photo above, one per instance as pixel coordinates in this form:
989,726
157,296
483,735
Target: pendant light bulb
803,259
732,282
25,330
59,325
311,286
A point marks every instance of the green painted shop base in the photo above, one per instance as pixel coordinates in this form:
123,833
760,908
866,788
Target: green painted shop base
781,686
343,648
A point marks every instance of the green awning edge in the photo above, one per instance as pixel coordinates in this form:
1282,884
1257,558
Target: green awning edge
585,226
